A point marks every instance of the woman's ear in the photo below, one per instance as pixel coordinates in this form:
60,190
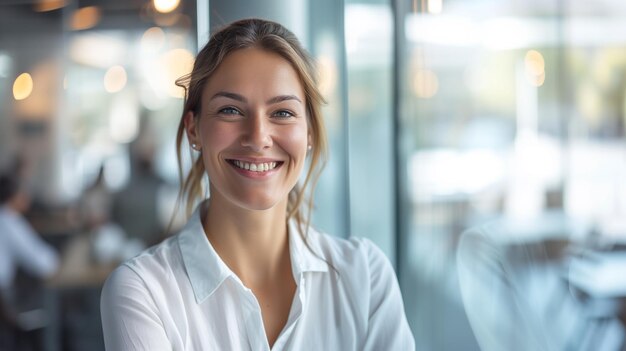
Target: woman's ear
191,127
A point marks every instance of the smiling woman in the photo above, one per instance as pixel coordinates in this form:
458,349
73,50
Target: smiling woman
248,272
255,116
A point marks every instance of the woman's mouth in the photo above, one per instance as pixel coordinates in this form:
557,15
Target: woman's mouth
256,166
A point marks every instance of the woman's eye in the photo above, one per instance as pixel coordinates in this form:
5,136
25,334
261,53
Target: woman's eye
229,111
283,114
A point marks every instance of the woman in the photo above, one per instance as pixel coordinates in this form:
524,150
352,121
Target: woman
247,272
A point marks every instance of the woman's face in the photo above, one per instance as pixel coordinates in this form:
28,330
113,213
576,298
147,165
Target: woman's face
252,129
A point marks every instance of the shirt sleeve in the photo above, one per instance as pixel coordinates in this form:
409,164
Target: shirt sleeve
130,319
388,328
31,252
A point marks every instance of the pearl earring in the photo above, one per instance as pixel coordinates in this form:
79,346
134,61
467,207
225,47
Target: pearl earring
309,147
194,146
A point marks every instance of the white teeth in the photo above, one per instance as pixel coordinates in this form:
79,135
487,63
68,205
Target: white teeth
255,167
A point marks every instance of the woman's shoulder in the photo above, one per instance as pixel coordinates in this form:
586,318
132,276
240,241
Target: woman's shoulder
153,265
351,253
160,256
338,244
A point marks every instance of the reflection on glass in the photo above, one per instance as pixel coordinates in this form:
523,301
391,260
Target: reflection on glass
516,120
369,43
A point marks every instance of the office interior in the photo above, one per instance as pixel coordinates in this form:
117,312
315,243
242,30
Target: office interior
480,144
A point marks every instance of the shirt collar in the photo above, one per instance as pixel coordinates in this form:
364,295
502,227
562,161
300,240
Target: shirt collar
302,258
207,271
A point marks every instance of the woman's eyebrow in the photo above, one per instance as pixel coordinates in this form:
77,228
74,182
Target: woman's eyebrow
241,98
282,98
229,95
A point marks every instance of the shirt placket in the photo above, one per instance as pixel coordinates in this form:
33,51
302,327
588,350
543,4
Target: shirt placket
254,322
294,315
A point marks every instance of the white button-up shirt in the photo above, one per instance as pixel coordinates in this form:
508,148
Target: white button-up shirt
180,295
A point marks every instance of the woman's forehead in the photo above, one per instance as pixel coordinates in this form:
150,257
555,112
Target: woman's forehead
256,73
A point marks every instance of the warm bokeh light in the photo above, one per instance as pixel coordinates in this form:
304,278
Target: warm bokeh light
435,6
153,39
327,75
176,64
85,18
165,6
98,49
48,5
115,79
425,84
23,86
534,64
43,100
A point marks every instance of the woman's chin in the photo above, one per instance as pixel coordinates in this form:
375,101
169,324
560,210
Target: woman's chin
258,203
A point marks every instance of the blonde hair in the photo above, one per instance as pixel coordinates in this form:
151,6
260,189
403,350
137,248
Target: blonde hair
272,37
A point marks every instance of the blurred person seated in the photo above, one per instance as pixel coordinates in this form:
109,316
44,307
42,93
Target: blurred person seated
20,246
109,242
21,249
96,203
136,207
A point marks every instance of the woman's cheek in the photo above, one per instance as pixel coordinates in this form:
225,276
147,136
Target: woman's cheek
218,136
297,139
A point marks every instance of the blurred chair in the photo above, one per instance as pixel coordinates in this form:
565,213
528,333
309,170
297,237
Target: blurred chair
22,314
509,279
597,280
8,326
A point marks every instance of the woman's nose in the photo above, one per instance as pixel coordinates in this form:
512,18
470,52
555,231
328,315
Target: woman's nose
257,133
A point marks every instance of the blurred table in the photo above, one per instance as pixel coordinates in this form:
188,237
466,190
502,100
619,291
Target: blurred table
599,274
548,225
72,297
78,269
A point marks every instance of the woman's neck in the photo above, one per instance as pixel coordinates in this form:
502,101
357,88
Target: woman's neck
253,244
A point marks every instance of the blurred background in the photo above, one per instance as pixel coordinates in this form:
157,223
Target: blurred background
480,144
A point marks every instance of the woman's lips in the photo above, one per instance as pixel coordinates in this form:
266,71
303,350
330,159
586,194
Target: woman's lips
255,169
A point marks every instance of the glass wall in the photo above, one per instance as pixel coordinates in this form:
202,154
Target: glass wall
369,50
514,117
